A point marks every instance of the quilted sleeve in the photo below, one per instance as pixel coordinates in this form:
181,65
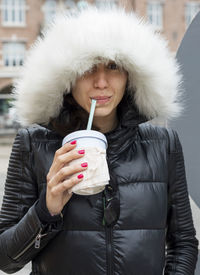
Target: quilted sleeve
181,246
22,235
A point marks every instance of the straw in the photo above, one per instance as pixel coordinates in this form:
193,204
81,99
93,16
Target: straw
92,109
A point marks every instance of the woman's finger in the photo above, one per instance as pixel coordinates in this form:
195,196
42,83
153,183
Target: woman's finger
66,158
65,185
65,148
65,172
63,160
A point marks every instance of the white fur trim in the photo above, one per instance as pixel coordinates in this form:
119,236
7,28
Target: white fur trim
73,44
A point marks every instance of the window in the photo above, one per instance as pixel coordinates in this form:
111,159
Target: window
13,54
13,12
155,14
49,10
82,4
174,35
191,10
102,3
70,4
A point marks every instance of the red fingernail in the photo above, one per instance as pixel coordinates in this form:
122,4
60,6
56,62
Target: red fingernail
84,164
81,152
80,176
73,142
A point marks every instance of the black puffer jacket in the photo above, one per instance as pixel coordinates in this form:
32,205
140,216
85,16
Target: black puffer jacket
154,211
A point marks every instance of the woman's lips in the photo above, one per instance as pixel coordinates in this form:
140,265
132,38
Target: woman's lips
102,99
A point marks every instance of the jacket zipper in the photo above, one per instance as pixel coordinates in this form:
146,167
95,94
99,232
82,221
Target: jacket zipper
35,241
109,250
108,232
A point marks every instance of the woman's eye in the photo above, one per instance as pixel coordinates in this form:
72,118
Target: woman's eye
113,66
91,70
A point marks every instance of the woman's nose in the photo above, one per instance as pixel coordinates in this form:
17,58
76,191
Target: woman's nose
100,80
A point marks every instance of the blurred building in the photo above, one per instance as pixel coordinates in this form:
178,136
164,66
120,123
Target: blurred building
21,22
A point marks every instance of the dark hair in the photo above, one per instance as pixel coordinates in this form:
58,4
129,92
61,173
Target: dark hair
73,117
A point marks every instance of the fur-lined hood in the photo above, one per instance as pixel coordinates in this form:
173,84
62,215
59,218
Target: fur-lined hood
74,43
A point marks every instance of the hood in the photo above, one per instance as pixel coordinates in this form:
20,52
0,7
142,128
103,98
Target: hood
75,42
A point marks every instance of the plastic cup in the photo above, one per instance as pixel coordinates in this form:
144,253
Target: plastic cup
96,176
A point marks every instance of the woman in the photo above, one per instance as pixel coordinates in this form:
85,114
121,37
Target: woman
142,223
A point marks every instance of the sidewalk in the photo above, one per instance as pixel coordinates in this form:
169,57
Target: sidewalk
7,136
25,271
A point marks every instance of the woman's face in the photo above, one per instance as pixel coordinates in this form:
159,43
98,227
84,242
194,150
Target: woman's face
104,82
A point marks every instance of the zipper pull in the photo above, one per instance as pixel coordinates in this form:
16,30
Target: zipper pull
37,241
38,238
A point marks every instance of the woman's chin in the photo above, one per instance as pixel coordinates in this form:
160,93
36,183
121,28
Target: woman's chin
101,113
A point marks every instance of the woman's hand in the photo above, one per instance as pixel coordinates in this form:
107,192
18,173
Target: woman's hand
60,177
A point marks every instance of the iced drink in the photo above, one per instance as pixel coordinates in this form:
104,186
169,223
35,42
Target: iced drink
96,176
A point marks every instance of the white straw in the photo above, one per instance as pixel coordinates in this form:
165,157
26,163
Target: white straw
92,109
